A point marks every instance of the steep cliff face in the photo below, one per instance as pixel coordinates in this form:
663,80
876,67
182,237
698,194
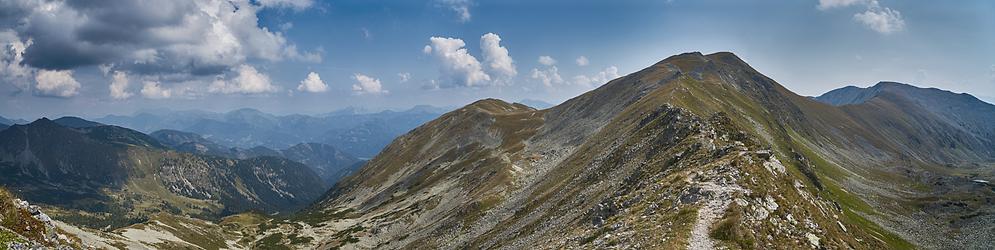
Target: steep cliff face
105,175
695,151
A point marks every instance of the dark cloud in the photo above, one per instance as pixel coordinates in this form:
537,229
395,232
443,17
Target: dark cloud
197,37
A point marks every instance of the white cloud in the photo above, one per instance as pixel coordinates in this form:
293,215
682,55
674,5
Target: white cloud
105,69
366,33
405,76
313,84
601,77
286,26
829,4
460,7
11,58
57,83
367,85
458,67
498,61
152,90
292,4
248,81
119,86
548,76
547,60
582,61
883,20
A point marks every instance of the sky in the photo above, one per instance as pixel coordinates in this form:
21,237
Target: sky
94,58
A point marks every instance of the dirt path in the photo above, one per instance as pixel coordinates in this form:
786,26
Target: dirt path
718,200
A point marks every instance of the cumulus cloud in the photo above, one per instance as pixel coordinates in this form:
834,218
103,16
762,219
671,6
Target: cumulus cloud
582,61
152,90
313,84
548,76
457,66
11,57
405,76
460,7
881,19
367,85
197,37
247,81
601,77
546,60
119,86
496,57
56,83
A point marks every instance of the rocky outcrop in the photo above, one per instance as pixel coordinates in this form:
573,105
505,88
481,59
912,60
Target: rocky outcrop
26,226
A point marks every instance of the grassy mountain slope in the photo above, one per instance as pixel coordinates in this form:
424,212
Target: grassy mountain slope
694,151
111,176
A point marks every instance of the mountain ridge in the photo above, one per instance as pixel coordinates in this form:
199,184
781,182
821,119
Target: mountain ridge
735,156
359,134
491,174
328,162
112,176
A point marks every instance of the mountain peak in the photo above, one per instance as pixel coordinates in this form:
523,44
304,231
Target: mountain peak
44,121
691,61
685,61
76,122
246,111
727,58
857,95
492,105
889,85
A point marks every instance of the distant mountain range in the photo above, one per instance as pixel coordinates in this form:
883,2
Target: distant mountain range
4,122
99,175
359,134
537,104
327,161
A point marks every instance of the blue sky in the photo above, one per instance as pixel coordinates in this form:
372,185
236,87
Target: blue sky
79,58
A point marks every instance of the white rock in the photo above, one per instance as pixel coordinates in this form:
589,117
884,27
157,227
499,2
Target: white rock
812,239
770,203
